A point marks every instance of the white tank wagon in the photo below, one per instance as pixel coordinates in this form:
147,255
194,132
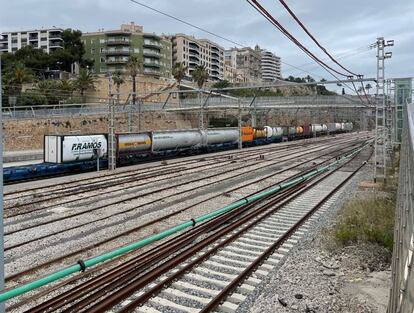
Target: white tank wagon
178,139
274,132
334,127
324,128
71,148
348,126
316,128
222,135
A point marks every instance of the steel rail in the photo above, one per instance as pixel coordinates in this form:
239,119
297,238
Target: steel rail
94,245
129,289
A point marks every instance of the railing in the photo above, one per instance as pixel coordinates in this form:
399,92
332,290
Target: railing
402,285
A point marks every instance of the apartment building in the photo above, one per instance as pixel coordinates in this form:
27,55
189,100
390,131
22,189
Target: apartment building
247,62
193,52
270,66
111,50
47,39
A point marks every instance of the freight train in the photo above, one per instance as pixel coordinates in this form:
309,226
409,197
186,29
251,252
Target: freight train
79,153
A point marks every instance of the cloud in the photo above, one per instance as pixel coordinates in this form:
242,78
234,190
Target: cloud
340,26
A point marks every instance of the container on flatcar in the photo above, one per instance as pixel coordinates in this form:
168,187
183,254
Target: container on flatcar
306,130
259,133
274,133
316,128
269,132
72,148
348,126
299,131
247,134
222,135
178,139
133,143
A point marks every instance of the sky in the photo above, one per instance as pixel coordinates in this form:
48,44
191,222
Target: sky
344,28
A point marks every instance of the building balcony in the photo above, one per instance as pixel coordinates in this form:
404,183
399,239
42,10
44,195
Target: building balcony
192,64
151,35
215,55
56,44
215,61
116,61
152,53
152,44
150,71
215,67
194,59
117,52
194,53
151,63
194,46
4,39
215,49
118,41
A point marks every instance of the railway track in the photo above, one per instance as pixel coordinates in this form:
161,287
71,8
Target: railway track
134,232
240,251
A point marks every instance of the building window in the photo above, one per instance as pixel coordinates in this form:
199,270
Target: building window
92,41
102,50
102,60
101,40
136,50
92,50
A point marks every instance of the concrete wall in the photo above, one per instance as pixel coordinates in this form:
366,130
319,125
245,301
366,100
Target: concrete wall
28,134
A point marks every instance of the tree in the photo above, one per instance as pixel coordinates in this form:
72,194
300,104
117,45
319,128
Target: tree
84,81
134,67
15,76
368,87
222,84
35,59
178,71
118,81
200,75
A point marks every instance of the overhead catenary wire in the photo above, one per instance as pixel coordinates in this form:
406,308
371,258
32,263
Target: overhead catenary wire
185,22
258,7
313,37
275,23
207,31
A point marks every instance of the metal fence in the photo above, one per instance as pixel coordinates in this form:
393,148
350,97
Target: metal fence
246,103
402,285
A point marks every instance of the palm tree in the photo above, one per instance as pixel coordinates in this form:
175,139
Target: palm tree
15,77
134,67
84,81
368,87
200,75
118,80
66,87
178,71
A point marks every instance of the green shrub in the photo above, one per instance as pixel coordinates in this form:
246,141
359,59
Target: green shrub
32,98
367,220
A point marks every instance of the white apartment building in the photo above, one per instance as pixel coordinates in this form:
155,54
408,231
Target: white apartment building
270,66
46,39
247,62
193,52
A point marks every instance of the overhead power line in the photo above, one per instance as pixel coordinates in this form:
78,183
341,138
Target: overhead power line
207,31
185,22
258,7
275,23
313,38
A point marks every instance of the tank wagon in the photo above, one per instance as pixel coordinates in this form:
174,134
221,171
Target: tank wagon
65,154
